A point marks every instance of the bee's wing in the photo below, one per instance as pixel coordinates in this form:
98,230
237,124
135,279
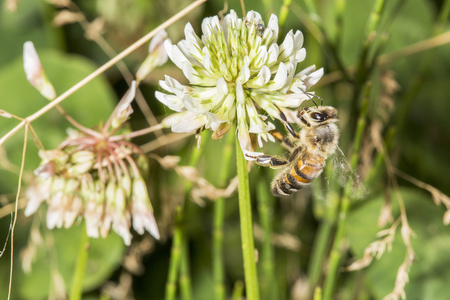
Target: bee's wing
346,176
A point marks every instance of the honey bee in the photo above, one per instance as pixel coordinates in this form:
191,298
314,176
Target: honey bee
309,149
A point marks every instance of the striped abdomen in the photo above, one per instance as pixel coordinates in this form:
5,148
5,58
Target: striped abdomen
299,174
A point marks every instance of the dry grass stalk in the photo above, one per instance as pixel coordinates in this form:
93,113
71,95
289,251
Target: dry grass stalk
439,198
376,249
202,188
283,240
65,17
402,278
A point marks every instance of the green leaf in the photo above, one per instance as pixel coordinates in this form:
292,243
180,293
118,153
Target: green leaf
104,257
89,106
429,275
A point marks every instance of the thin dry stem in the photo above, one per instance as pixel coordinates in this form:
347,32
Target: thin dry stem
283,240
164,141
202,188
100,70
376,249
438,197
16,208
95,35
388,58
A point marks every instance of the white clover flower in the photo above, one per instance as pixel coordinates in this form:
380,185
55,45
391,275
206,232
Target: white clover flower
237,72
95,175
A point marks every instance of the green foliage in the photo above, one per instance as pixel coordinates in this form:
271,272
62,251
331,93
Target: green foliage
415,133
429,276
89,106
105,256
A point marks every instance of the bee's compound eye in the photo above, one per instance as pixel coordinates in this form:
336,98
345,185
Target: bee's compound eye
318,116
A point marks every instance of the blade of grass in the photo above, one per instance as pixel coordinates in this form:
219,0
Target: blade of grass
338,243
219,215
269,286
175,257
76,290
179,257
245,214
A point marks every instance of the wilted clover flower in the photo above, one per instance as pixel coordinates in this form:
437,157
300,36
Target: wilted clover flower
95,175
236,71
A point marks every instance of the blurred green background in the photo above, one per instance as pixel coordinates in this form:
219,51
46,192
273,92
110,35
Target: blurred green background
404,89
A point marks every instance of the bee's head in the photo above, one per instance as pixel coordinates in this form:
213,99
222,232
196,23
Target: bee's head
317,116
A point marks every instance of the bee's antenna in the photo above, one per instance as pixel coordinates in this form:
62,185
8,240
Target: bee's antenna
311,96
286,123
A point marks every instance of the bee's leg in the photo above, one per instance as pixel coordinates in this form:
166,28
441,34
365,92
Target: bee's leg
283,140
269,161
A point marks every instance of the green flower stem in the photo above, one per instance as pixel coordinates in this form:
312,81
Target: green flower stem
339,8
322,242
76,290
327,210
175,256
217,251
185,278
219,215
269,287
284,10
179,257
336,251
443,17
245,213
238,291
318,293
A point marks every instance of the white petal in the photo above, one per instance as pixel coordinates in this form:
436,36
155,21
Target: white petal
157,40
271,32
31,62
35,73
123,109
313,78
152,227
207,64
293,100
172,101
190,73
287,46
244,74
240,96
280,78
36,195
261,79
121,227
254,17
184,121
306,71
272,54
174,53
184,47
261,58
208,25
244,137
300,55
193,42
222,86
298,40
172,85
230,20
91,228
194,105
